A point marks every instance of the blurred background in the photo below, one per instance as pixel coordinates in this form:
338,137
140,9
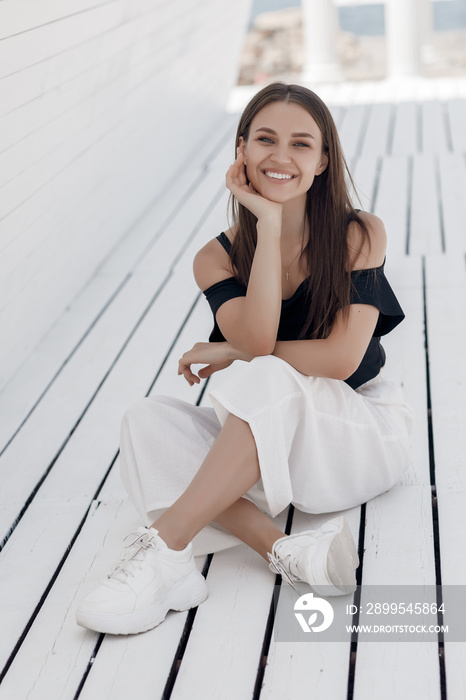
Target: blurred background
275,43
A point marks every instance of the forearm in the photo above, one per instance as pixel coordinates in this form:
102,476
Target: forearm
252,324
316,358
262,308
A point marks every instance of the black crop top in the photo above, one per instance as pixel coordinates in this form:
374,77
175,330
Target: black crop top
369,287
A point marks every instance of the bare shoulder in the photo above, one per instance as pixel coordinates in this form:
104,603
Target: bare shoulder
371,253
212,264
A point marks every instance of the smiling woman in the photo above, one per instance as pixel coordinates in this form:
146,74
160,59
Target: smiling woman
298,292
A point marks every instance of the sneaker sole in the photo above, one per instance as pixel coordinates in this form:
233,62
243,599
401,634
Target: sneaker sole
335,562
186,594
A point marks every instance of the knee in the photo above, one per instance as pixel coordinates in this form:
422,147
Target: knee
143,409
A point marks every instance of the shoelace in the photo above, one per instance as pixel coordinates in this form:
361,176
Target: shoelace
139,543
277,566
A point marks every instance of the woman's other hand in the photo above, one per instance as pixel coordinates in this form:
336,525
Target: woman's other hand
262,208
216,356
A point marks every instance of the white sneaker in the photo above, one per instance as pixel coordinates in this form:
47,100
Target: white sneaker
150,580
326,558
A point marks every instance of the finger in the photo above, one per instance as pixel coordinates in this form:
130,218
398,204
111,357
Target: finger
237,167
206,371
190,377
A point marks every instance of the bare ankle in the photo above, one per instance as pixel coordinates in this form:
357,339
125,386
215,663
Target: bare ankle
172,542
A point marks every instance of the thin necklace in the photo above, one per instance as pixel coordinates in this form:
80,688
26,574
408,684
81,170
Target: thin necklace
286,270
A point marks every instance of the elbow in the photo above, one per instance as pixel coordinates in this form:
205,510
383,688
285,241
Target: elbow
345,367
259,346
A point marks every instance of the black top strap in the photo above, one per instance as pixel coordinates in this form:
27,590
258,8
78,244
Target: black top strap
225,241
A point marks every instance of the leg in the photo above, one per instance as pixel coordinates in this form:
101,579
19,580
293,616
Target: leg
246,521
230,469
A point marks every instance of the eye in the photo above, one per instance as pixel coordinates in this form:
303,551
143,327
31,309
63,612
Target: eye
265,139
302,145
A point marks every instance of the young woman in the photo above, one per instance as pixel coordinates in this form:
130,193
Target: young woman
298,292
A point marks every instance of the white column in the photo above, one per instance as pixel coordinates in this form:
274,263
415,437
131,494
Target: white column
426,23
320,25
403,37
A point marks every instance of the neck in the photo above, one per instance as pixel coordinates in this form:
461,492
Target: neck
293,221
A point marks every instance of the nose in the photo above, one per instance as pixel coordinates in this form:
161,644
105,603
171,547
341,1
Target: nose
280,154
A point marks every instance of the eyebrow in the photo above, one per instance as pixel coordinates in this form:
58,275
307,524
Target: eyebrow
296,135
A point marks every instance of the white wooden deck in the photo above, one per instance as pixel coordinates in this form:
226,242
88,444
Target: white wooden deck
63,512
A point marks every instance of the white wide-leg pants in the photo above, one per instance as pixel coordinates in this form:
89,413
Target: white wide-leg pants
321,445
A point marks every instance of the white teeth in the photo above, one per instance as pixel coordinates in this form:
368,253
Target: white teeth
278,176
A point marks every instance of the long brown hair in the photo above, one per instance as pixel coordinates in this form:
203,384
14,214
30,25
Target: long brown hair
329,210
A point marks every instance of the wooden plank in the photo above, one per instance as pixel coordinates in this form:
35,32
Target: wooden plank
56,651
351,130
22,392
42,436
406,361
292,666
456,110
364,171
378,130
391,203
446,288
93,447
25,49
425,229
35,14
405,135
42,81
452,530
434,133
241,604
398,551
452,168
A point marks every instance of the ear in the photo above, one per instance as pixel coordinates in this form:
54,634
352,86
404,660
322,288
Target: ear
241,148
323,164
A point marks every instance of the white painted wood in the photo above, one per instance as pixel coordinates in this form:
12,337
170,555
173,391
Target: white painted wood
87,456
425,232
398,546
452,169
50,81
377,131
364,172
405,134
77,473
351,130
434,134
27,385
36,15
41,436
82,162
457,118
391,203
231,628
446,288
452,522
292,666
406,362
22,50
386,670
56,651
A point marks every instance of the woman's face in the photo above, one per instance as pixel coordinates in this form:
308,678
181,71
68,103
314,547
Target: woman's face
283,152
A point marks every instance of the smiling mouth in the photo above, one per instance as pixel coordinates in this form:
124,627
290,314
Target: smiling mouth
278,176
